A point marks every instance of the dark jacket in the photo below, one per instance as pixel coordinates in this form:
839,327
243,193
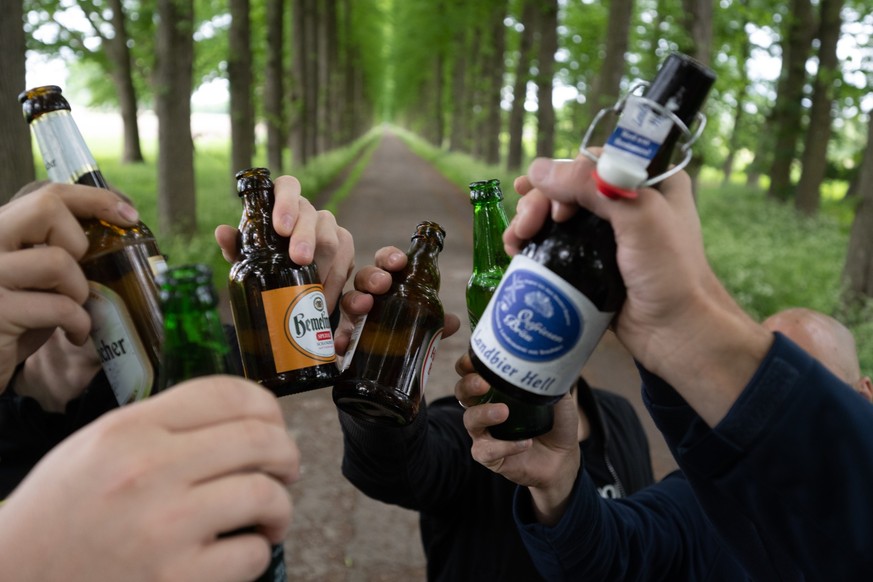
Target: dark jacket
467,528
785,477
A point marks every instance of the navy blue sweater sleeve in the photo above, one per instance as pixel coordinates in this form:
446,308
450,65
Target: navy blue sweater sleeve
785,475
423,466
659,533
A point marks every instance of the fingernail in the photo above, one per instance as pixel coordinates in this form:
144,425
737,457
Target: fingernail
395,257
127,212
379,277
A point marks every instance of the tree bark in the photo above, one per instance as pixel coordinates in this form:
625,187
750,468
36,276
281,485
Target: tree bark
460,114
606,86
858,271
787,115
274,86
818,134
16,153
546,66
300,127
698,21
515,154
239,74
173,84
122,75
310,79
495,71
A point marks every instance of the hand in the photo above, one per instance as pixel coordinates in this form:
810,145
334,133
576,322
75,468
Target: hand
678,320
547,464
375,280
144,492
42,285
315,236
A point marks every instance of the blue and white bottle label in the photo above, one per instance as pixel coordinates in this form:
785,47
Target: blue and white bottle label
538,330
639,134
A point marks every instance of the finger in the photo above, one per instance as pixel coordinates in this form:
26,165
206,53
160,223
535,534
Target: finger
451,325
302,244
479,417
470,389
373,280
251,444
335,257
522,185
34,310
390,259
45,268
530,215
242,500
228,241
286,209
229,559
356,303
464,364
205,401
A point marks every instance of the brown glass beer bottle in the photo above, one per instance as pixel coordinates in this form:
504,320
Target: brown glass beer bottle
391,357
120,264
278,306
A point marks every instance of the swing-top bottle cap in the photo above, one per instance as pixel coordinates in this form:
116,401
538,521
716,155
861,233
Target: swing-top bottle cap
617,178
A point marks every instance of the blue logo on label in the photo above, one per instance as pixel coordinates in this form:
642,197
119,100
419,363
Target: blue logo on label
534,320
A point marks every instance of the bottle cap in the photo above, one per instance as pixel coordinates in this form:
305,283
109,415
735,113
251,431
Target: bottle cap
617,178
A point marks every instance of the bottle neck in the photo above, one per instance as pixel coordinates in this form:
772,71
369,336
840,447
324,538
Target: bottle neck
422,268
64,151
489,223
256,227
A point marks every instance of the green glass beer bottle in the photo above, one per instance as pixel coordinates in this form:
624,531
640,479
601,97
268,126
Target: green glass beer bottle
526,420
120,264
393,348
278,306
195,345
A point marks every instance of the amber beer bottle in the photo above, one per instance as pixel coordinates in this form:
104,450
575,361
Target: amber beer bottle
120,264
394,347
278,306
195,346
490,261
562,290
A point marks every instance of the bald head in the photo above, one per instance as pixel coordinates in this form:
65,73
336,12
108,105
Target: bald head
825,339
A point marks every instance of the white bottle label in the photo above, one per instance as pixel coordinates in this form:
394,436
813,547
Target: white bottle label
639,134
538,330
63,163
353,343
121,350
429,356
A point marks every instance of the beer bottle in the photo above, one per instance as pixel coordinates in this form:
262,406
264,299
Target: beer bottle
120,264
194,340
195,345
391,356
490,261
562,290
278,306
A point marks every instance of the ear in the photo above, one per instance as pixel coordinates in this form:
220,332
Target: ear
865,387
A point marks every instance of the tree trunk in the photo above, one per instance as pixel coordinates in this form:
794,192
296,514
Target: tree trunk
495,70
734,143
607,84
16,151
310,80
818,134
546,64
698,21
239,74
515,155
334,98
323,10
173,84
300,127
787,116
122,75
274,89
460,114
350,67
858,271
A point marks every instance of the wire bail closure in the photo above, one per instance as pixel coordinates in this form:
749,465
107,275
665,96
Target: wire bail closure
684,147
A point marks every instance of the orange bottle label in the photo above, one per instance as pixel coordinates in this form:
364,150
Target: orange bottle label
299,327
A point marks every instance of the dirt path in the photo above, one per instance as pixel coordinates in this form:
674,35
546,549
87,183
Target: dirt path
339,534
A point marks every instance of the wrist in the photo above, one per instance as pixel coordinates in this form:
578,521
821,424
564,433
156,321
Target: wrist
550,499
712,360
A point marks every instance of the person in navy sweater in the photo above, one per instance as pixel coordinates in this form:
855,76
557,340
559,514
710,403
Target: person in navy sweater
777,452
